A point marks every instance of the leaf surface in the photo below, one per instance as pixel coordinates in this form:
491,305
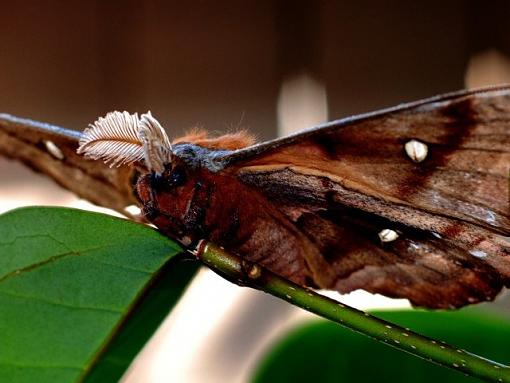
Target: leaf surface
69,279
325,352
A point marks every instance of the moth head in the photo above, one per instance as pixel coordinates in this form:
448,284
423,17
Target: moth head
121,138
167,197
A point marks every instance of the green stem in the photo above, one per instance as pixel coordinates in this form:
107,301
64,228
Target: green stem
249,274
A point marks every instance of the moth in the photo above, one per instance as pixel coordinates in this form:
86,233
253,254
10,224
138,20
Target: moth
409,202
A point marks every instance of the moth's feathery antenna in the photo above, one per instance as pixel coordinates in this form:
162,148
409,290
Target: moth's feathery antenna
157,149
121,138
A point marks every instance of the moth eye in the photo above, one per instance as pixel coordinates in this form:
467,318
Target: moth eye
388,235
416,150
158,182
177,177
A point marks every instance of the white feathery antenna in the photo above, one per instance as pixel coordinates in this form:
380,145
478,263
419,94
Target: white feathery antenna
157,150
121,138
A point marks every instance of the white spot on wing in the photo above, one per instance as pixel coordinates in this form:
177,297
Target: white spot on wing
133,210
413,246
388,235
478,253
416,150
54,150
491,217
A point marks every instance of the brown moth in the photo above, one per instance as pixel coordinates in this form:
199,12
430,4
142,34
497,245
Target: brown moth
409,202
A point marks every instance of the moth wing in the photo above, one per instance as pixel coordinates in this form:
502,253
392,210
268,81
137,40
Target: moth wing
52,150
419,265
450,211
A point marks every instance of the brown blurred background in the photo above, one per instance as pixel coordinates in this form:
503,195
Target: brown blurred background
221,64
269,66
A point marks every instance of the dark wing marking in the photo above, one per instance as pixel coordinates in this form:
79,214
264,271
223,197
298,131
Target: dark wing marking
455,203
52,150
472,262
420,265
465,174
431,103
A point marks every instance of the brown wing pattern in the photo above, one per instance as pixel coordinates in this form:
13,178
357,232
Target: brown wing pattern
344,183
52,150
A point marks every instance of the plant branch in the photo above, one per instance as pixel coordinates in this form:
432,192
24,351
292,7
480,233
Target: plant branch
245,273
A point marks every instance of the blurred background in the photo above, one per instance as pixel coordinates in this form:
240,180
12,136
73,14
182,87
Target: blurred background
271,67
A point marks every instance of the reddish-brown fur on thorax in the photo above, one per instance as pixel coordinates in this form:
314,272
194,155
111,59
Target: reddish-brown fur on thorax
231,141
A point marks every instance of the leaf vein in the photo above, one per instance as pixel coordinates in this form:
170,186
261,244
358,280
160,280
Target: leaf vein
8,363
60,304
124,267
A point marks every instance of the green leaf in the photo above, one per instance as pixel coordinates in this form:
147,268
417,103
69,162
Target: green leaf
68,281
326,352
141,324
